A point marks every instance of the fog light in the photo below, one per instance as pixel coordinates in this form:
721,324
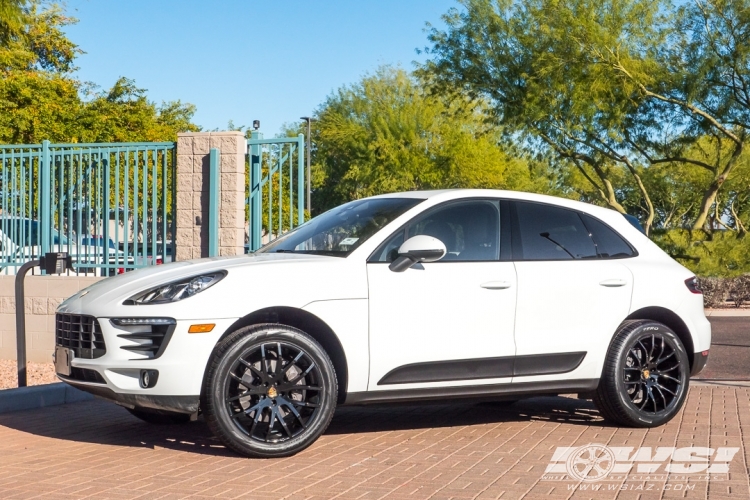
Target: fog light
149,378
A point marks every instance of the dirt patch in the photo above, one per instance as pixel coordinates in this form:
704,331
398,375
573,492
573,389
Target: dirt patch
36,374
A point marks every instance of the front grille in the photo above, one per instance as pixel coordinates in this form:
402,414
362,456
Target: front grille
82,334
86,375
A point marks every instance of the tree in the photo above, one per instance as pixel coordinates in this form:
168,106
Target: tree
385,134
41,99
608,85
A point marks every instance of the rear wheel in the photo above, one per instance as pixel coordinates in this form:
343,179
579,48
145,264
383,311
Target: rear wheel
270,391
645,377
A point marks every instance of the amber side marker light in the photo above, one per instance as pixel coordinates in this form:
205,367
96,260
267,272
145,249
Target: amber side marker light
201,328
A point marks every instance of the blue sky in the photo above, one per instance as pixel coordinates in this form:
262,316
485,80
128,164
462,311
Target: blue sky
271,60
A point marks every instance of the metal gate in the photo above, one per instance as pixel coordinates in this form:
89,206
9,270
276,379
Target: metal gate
107,205
275,191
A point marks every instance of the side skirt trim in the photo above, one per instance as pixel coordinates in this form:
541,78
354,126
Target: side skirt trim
483,368
553,387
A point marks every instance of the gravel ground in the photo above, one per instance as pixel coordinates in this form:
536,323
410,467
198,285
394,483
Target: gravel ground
36,374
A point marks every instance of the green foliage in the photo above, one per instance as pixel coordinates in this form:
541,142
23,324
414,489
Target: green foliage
40,99
385,134
721,254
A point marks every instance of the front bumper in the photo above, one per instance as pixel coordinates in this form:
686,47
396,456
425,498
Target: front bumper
116,374
179,404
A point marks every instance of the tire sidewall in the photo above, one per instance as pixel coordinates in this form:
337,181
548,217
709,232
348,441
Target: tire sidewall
642,331
248,339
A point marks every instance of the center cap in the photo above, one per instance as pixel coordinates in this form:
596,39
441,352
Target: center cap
272,392
646,373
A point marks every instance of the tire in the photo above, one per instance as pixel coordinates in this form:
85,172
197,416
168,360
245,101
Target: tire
261,408
160,417
646,376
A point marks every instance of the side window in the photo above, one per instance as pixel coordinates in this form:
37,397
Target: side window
470,231
552,233
609,244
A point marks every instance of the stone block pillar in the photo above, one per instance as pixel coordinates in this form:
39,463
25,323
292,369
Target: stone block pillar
192,193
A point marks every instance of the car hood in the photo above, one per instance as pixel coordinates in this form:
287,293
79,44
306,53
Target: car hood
118,288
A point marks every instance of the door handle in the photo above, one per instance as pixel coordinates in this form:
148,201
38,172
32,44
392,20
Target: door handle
613,282
496,285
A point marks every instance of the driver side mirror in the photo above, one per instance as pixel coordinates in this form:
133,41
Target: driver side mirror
420,248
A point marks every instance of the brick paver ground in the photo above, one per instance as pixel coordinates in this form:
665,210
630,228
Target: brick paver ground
96,449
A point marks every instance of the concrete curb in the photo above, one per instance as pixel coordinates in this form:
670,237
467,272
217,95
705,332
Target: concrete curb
715,313
39,396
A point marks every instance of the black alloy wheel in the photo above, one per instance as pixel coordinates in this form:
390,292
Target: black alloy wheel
270,391
645,377
274,391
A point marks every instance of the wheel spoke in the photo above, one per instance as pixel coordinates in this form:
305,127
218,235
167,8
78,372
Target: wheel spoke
271,421
295,413
304,404
256,372
258,415
302,374
278,359
653,344
292,363
661,394
668,377
281,420
264,362
249,410
241,380
644,351
303,388
662,388
661,360
651,397
669,369
250,392
661,353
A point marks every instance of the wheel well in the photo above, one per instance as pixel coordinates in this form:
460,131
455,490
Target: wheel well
667,317
311,325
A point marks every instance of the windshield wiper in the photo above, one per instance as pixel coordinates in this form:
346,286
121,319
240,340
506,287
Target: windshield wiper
546,235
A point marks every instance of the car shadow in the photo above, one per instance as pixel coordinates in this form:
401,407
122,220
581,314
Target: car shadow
101,422
383,418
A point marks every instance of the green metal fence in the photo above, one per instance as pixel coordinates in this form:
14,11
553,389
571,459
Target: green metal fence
276,187
107,205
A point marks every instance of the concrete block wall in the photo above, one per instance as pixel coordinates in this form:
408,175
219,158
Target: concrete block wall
192,193
43,295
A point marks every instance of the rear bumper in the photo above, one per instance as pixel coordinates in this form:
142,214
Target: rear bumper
700,360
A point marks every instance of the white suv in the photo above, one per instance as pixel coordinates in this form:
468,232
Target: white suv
404,297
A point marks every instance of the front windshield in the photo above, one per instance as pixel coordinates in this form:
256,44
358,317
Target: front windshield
342,229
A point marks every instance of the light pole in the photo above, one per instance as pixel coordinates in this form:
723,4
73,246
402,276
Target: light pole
308,119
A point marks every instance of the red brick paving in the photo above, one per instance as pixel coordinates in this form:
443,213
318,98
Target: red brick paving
484,451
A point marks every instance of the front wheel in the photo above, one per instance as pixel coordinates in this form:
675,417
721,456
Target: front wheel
645,377
270,391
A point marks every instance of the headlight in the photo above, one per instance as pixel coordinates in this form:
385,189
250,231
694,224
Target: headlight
177,290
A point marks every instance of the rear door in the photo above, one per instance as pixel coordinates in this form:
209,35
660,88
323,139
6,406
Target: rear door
572,292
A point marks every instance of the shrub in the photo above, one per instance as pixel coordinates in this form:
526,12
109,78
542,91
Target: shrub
714,291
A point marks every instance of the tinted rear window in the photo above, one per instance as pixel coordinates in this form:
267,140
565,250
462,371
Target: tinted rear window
552,233
609,244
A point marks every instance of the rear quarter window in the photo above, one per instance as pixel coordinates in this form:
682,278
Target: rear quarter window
609,244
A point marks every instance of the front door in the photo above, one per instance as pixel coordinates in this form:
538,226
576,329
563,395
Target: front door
449,322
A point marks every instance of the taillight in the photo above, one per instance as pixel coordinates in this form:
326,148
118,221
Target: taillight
159,262
693,285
